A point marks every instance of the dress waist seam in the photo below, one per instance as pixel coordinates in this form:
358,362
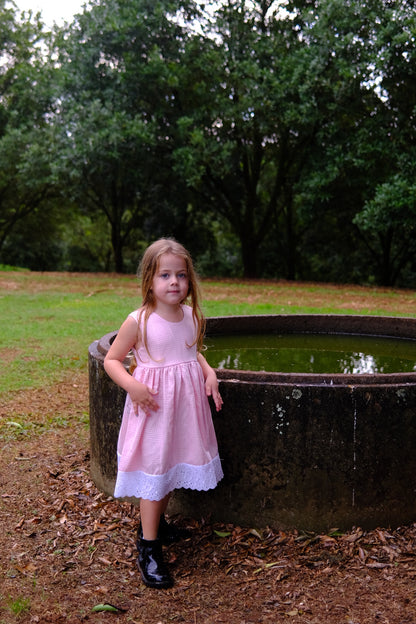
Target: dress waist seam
146,366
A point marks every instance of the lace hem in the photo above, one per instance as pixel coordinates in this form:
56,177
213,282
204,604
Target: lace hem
156,487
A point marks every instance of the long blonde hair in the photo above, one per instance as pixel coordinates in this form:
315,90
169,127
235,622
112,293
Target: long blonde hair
146,272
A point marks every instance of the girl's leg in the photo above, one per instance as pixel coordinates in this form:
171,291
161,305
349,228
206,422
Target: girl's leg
150,512
151,563
153,524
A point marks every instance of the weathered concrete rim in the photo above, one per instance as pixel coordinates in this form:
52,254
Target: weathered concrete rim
341,324
387,326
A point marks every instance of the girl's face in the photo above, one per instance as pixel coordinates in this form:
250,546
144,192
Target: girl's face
170,282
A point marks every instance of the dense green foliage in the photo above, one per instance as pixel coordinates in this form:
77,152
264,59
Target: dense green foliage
272,138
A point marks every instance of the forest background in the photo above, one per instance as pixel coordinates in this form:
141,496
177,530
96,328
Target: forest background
274,139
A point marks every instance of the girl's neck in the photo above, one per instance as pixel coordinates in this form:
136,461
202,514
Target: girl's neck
174,314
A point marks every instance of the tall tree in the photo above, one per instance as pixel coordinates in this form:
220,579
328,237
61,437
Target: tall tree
233,153
388,217
264,97
25,102
118,64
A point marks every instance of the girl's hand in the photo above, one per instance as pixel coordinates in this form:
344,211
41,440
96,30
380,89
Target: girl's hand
143,397
211,381
211,387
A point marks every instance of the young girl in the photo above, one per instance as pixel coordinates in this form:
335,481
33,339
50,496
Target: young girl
167,438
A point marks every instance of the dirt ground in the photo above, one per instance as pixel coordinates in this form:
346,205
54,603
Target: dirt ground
65,548
67,552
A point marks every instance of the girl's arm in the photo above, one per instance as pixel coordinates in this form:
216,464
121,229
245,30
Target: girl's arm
211,381
140,394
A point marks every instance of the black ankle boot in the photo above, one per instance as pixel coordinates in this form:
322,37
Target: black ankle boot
169,533
152,566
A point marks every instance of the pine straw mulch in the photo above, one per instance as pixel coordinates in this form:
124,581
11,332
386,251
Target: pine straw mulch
66,548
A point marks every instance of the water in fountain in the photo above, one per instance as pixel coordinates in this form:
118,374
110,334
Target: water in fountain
312,353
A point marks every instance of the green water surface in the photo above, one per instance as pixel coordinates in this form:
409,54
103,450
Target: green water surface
312,353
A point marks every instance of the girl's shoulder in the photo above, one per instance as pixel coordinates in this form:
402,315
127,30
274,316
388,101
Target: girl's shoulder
136,315
187,311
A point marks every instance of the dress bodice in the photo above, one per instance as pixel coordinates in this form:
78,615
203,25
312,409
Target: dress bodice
169,343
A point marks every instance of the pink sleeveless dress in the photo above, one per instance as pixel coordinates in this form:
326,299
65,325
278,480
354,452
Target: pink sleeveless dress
175,446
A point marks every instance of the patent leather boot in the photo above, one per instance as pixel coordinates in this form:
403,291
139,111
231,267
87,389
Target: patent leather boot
152,566
169,533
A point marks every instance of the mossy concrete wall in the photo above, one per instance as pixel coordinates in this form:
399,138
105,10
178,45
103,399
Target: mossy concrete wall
313,457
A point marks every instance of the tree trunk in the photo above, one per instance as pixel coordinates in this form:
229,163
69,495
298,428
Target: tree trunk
290,242
249,257
117,250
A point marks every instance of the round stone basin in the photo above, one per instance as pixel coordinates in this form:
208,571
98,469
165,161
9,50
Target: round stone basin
308,450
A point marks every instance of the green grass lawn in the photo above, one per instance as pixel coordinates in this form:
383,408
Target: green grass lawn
49,320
